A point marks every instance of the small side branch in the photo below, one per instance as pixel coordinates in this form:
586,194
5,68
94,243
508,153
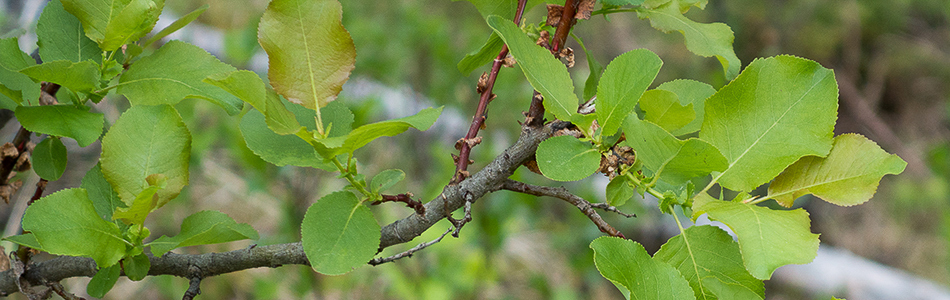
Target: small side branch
194,284
404,198
613,209
408,253
563,194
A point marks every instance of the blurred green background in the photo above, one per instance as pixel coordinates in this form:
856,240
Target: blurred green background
891,58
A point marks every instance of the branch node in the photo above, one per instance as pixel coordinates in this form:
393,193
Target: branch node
194,285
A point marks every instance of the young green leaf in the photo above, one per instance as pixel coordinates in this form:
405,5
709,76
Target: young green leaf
622,2
690,92
175,72
103,197
146,140
777,111
712,39
505,8
26,239
848,176
204,228
175,26
310,54
49,159
663,109
339,234
627,264
596,70
103,281
62,120
144,203
619,191
115,23
386,179
362,135
484,55
768,238
545,73
710,261
565,158
136,267
244,85
15,87
65,223
625,79
77,76
60,36
278,149
675,160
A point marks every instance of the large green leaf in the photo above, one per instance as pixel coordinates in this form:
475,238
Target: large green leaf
777,111
77,76
768,238
484,55
674,160
278,149
146,140
545,73
505,8
65,223
16,87
103,196
848,176
712,39
690,92
624,80
204,228
627,264
60,36
663,108
360,136
49,159
310,53
339,234
565,158
11,57
113,23
62,120
710,260
175,72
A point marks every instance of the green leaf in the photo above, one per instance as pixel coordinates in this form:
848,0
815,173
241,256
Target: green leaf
386,179
113,23
619,191
484,55
204,228
136,267
627,264
65,223
175,26
144,203
278,149
26,239
103,281
768,238
674,160
545,73
11,57
848,176
622,2
625,79
16,87
244,85
362,135
690,92
146,140
309,52
596,70
62,120
339,234
712,39
505,8
49,159
565,158
663,109
80,77
103,197
60,36
175,72
710,261
777,111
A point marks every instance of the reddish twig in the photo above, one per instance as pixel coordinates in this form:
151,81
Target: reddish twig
564,26
563,194
404,198
465,146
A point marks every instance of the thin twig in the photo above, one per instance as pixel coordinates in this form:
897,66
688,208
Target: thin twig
613,209
563,194
408,253
62,292
404,198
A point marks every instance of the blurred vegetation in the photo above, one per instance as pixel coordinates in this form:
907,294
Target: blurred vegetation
895,52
